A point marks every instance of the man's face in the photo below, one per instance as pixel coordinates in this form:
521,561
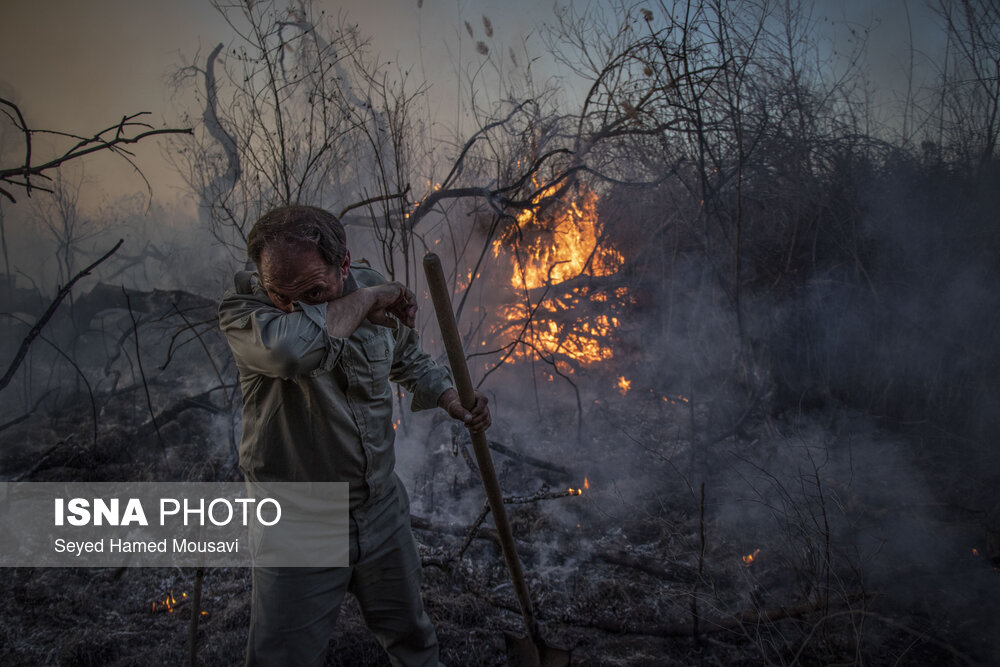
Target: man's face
295,272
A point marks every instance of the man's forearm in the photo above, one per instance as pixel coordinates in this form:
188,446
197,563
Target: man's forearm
346,314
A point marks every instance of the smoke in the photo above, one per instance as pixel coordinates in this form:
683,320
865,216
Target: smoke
844,436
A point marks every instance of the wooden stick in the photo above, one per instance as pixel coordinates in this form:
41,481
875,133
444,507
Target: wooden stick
456,356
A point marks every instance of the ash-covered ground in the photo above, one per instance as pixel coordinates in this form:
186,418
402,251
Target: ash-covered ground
808,538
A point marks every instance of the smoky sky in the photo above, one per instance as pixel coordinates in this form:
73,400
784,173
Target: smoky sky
78,66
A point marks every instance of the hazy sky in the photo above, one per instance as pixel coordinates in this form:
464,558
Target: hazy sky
79,65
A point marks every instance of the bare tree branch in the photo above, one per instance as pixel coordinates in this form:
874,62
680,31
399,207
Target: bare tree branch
84,146
44,319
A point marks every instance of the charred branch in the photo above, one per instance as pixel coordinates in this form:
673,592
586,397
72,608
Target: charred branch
27,415
142,374
226,181
36,330
373,200
42,460
530,460
113,138
661,569
197,402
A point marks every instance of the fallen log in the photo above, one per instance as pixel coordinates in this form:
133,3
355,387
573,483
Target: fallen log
673,572
530,460
199,402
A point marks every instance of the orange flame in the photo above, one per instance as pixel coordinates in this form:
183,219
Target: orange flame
578,491
624,385
556,243
168,604
749,559
574,247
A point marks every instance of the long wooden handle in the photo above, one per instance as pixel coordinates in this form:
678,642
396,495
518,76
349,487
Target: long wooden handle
440,295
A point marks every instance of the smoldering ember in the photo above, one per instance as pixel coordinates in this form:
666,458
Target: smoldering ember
732,301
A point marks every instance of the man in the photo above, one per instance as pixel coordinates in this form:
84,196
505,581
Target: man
316,341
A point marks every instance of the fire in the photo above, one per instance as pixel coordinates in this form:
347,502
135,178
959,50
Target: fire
170,603
586,484
624,385
675,400
555,243
749,559
435,187
580,340
573,248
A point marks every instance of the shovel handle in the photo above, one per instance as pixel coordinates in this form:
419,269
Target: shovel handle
441,297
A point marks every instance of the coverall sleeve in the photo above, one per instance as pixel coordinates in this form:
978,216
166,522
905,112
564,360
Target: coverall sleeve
415,371
268,341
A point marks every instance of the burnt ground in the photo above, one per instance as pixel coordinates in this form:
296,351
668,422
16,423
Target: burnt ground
862,539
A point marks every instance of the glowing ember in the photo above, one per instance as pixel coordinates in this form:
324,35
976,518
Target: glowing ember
749,559
586,484
975,551
435,187
624,385
675,400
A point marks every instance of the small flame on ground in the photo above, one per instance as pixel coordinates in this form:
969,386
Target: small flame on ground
624,385
170,603
586,484
750,558
675,400
975,551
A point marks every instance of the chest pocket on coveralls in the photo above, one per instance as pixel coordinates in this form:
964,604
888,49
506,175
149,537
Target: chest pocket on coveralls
378,352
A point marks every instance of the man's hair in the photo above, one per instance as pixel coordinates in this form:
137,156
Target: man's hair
299,225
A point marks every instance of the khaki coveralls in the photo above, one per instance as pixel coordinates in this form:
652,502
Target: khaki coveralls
319,408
